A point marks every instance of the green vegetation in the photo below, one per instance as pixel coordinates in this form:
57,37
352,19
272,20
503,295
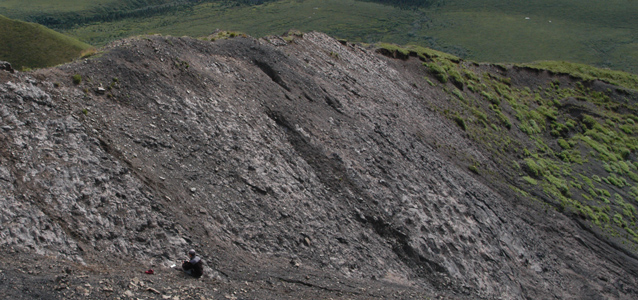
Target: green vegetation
587,72
587,31
224,35
77,79
581,161
461,122
577,161
28,45
356,21
438,71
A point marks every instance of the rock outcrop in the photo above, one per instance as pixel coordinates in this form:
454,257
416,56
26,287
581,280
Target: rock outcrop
6,66
310,167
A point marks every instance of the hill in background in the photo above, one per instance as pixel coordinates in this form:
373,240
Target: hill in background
598,33
29,45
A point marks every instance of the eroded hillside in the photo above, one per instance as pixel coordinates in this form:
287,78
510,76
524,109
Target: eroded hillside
298,166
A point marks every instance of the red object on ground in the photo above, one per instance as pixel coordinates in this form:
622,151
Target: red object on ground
149,272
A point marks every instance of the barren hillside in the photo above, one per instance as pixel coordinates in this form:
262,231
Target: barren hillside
298,166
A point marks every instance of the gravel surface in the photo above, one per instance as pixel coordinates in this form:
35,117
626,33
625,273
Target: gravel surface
298,168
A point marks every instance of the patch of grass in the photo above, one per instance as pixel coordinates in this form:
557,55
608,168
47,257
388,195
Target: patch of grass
474,169
461,122
392,48
501,116
456,79
563,144
225,34
491,98
77,79
532,168
438,71
587,72
530,180
458,94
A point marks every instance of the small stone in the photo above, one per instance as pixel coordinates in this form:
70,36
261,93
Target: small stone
152,290
295,262
128,293
83,291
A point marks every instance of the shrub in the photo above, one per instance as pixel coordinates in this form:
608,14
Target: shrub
502,117
77,79
459,121
628,129
479,114
563,144
530,180
618,220
532,168
589,121
603,193
456,79
458,94
493,99
438,72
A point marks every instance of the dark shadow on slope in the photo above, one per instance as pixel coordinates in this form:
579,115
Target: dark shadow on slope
332,173
272,73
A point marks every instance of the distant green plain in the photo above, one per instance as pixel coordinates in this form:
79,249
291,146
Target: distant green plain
601,33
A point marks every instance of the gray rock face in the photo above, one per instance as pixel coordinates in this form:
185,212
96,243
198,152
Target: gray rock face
277,158
6,66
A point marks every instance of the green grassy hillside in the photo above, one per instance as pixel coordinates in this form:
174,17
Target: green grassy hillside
28,45
68,13
600,33
560,134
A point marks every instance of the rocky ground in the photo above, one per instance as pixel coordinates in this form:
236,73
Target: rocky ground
298,166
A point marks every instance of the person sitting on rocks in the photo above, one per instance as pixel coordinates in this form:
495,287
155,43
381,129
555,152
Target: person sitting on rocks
194,266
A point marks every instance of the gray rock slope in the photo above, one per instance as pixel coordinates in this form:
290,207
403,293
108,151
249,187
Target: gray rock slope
313,162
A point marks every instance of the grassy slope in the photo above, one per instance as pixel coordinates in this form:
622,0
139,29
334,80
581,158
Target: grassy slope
354,20
602,33
18,9
28,45
556,134
35,6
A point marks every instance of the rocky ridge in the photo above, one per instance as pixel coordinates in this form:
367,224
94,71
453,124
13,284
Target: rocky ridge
297,166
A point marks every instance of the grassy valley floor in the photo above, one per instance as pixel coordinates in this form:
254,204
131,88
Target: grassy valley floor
590,32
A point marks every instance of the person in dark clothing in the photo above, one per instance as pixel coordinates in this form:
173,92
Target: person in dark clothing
194,266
